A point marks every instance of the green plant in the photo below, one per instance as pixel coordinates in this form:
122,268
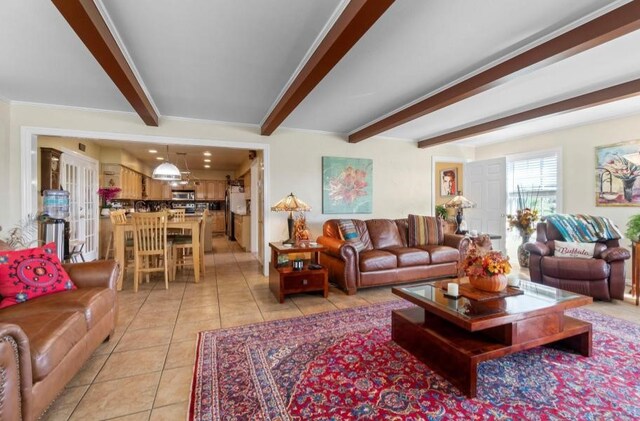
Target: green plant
441,211
633,228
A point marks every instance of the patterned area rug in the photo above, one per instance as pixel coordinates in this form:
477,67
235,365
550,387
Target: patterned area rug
343,365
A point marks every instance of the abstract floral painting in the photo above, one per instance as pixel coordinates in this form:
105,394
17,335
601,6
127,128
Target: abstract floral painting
347,185
617,173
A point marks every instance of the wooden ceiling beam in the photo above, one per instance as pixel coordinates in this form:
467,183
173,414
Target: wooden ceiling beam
85,19
614,24
592,99
351,25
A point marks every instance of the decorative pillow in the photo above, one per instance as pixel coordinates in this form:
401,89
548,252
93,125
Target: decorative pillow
424,230
350,234
30,273
578,250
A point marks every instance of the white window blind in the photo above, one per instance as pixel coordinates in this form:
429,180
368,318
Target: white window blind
535,173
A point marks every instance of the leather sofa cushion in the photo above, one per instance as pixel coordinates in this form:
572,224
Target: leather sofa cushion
51,337
384,233
568,268
94,303
373,260
408,256
441,254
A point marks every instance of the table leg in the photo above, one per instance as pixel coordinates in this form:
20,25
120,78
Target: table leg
118,245
195,236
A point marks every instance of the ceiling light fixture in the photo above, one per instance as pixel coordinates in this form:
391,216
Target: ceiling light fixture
166,171
207,160
159,158
207,153
207,166
152,151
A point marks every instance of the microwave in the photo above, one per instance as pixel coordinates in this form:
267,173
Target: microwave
183,195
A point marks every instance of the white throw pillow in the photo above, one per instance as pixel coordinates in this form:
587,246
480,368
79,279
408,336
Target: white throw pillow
577,250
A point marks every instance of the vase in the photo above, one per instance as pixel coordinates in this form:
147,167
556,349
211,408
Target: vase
628,188
105,211
494,283
523,255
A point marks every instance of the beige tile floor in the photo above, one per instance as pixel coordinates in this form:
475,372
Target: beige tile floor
144,372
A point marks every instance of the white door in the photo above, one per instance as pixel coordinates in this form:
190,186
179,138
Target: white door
79,176
485,183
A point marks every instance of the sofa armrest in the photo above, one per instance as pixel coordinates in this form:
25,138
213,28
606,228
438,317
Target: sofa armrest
100,273
457,241
537,248
615,253
16,383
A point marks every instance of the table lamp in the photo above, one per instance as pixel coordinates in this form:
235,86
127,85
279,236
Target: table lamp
459,202
290,204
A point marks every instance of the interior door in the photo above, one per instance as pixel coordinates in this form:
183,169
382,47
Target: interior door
485,183
79,177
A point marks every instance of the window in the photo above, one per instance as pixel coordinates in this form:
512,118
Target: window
537,175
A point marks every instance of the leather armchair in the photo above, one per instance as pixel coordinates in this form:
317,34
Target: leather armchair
602,277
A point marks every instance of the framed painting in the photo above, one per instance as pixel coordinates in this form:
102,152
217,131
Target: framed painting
347,185
617,173
448,182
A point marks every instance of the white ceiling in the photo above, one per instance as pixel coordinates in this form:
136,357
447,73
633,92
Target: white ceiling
222,159
229,60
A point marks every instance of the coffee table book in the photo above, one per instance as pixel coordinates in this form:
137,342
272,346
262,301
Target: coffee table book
453,336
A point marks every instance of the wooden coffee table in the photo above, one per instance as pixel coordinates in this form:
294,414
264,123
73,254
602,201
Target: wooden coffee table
453,336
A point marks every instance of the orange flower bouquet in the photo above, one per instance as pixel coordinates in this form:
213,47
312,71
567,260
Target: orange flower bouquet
486,270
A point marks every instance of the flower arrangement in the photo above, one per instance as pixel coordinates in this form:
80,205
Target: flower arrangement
482,263
526,215
107,194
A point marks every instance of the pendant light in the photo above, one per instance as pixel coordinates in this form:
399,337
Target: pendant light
166,171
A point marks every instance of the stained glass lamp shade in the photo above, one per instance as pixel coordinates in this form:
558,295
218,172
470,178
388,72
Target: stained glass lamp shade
290,204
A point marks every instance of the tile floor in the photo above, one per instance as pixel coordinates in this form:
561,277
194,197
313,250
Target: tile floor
144,372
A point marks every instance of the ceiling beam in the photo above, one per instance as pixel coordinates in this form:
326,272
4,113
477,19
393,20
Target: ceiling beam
592,99
85,19
351,25
614,24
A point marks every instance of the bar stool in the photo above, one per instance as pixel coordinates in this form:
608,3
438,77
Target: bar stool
184,243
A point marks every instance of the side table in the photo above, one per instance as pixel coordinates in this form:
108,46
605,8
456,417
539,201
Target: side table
284,280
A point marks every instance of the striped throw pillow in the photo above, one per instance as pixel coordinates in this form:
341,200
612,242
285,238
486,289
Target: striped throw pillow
424,230
350,234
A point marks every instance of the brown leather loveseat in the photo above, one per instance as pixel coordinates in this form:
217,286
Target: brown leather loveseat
601,277
44,342
386,258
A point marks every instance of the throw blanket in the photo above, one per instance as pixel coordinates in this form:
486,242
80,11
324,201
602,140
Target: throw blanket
585,228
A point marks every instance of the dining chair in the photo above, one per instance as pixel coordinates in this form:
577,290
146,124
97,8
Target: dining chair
177,215
182,244
119,217
151,248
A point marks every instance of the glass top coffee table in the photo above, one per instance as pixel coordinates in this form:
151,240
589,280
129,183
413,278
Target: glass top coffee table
452,336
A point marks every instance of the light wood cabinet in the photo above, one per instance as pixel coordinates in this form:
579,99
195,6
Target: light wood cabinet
129,181
215,189
217,221
242,230
201,190
166,192
153,188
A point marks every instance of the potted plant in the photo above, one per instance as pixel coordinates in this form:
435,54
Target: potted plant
486,269
633,228
107,194
441,212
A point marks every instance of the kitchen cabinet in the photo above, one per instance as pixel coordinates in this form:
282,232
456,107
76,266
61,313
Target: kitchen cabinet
215,189
201,190
217,221
153,188
242,230
166,192
129,181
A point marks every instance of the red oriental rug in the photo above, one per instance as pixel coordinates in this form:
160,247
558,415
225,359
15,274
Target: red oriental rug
343,365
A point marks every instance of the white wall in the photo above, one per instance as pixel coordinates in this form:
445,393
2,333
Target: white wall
5,124
402,172
578,162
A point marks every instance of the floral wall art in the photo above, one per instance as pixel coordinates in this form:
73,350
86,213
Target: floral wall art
347,185
617,173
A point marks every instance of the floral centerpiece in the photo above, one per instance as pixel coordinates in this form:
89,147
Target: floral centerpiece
486,269
107,194
524,220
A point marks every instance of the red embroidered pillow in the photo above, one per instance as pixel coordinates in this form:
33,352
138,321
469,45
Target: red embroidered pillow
30,273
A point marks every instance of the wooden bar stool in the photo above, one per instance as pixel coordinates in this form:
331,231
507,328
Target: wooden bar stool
184,243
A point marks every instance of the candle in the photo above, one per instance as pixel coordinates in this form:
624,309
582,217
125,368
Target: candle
452,289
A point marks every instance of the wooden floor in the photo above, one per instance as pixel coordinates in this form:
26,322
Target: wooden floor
144,372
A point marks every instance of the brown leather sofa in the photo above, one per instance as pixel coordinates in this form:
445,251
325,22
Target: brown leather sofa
386,258
44,342
602,277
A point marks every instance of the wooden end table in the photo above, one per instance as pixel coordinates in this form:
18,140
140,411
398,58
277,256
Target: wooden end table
452,336
283,280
